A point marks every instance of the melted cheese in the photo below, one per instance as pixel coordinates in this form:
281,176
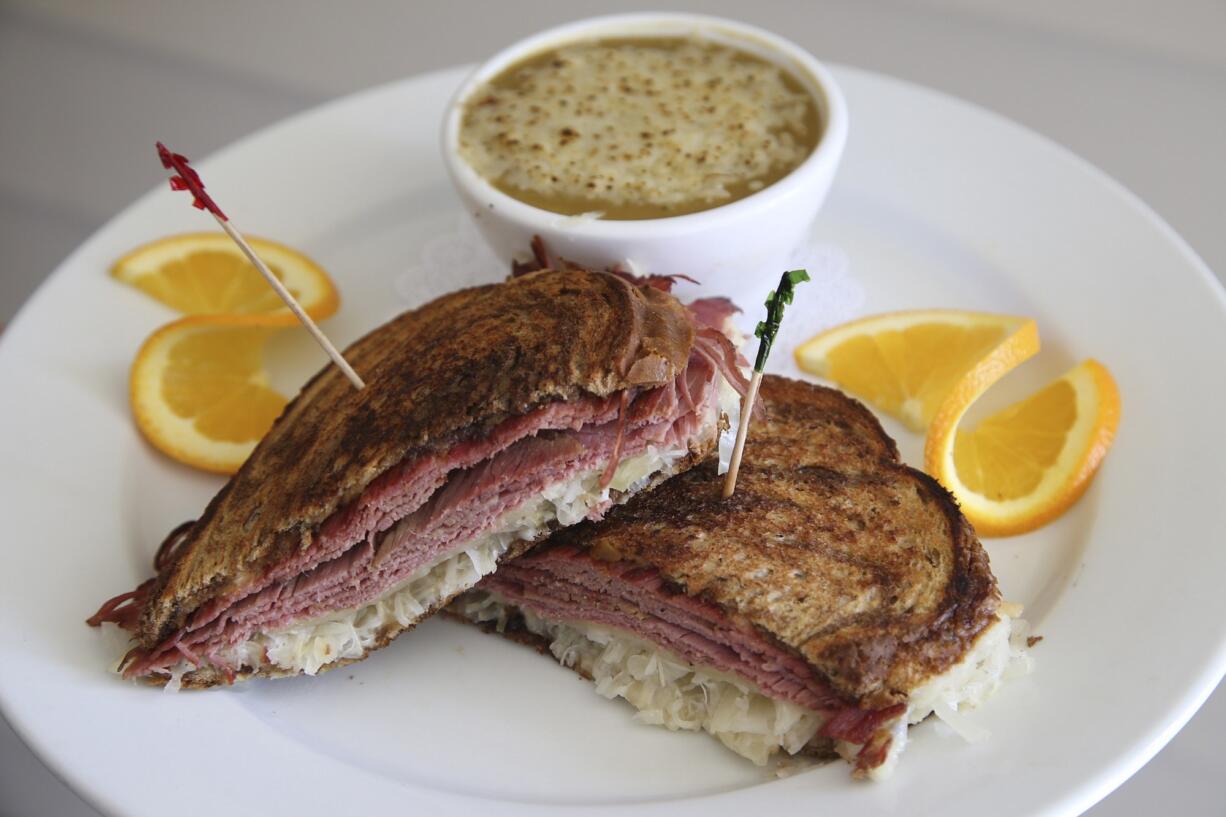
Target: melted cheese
638,128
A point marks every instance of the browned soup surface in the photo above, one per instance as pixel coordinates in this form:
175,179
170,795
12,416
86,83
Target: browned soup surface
638,128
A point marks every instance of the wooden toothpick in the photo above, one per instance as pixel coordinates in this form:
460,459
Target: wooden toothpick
765,331
742,429
187,178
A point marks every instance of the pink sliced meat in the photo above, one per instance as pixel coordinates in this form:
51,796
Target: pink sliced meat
430,507
713,312
565,583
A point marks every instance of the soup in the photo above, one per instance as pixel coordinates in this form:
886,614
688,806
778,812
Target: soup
638,128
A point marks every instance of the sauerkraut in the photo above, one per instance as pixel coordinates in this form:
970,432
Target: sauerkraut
668,691
997,655
308,646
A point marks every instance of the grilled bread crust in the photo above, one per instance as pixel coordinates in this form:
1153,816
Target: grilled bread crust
210,676
831,547
447,371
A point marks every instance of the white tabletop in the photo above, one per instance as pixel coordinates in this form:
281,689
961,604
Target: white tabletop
1137,87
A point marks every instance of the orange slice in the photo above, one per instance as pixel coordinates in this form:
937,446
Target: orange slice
908,363
199,390
206,274
1028,463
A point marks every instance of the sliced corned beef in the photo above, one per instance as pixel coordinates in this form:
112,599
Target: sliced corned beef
566,584
429,507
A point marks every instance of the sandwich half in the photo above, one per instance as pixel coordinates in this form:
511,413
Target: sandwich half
490,417
837,597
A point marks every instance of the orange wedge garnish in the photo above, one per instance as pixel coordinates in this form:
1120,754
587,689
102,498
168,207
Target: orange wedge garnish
908,363
206,274
1028,463
198,388
1018,469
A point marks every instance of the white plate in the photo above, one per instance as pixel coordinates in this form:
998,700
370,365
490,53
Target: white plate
938,203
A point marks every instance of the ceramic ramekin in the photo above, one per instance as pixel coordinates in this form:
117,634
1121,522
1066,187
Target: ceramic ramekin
724,248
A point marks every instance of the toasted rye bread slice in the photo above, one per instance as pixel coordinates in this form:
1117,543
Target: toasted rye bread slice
447,371
830,547
210,676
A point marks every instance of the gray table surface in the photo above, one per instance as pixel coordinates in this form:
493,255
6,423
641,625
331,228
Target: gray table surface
1138,87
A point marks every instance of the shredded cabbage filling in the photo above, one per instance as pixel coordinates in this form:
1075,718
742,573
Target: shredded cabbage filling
307,646
668,691
999,654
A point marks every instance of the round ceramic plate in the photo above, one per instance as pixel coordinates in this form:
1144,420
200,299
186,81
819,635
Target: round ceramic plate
937,204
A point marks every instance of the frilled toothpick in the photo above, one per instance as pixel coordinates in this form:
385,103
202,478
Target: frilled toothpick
765,331
187,178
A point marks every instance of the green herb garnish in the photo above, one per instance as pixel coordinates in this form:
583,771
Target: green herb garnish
775,302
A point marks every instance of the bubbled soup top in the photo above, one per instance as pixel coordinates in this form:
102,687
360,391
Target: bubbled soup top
638,128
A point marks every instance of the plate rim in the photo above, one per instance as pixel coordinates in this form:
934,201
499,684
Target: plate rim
1069,802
